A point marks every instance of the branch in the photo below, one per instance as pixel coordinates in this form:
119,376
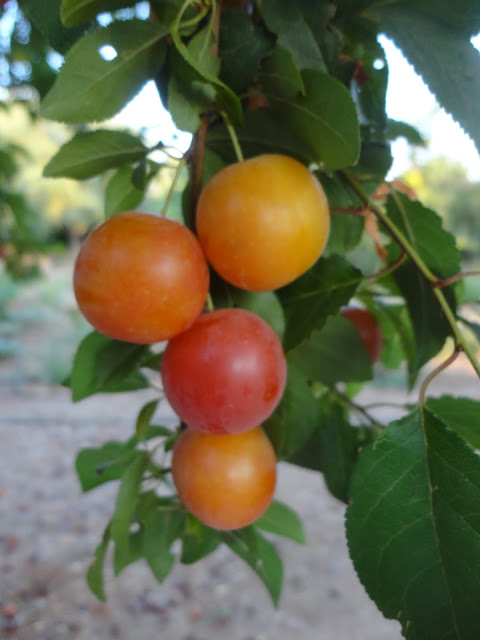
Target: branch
411,252
433,374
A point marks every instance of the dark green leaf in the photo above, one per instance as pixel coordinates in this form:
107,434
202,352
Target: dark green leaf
77,11
104,365
90,88
294,33
443,56
339,193
296,416
126,501
397,129
463,15
336,353
261,132
325,119
281,520
198,541
95,570
88,154
261,555
162,527
144,418
413,528
280,75
333,449
437,248
189,94
460,414
242,45
46,17
345,233
320,292
121,194
95,466
202,70
373,164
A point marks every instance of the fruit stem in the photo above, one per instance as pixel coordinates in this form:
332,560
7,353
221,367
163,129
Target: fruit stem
178,171
408,248
234,138
209,303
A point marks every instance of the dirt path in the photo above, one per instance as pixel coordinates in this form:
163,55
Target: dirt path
48,531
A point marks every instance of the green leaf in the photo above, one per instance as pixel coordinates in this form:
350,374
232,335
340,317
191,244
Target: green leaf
46,17
397,129
463,16
93,152
131,553
320,292
198,540
345,233
336,353
202,70
144,418
89,88
104,365
121,194
162,527
261,555
437,248
95,570
325,119
294,33
242,45
414,531
126,501
297,407
460,414
333,449
443,56
281,520
264,303
397,335
189,95
77,11
261,132
280,75
95,466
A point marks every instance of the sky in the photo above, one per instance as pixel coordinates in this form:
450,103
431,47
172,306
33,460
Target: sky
444,136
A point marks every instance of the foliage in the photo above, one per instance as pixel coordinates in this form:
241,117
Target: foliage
308,80
444,186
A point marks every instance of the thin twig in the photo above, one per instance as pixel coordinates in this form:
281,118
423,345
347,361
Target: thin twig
388,269
458,276
173,184
411,252
433,374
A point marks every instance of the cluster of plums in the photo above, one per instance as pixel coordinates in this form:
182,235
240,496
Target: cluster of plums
142,278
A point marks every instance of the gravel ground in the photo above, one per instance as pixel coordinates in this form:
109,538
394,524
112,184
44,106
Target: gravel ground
49,530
